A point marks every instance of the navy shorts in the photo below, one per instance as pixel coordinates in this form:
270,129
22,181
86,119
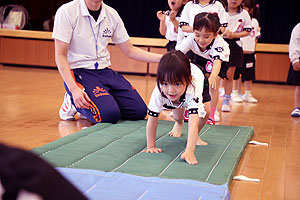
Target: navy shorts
236,53
112,96
248,69
293,76
199,60
171,45
205,94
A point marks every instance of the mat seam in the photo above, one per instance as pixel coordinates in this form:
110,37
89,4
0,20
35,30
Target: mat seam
222,155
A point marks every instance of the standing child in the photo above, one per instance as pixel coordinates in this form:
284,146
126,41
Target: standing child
294,72
239,25
212,50
169,22
179,85
248,69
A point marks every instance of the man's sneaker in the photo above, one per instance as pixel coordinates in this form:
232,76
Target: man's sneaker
249,98
217,116
186,115
81,116
67,110
296,112
235,97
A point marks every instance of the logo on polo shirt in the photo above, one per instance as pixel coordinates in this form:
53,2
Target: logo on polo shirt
106,33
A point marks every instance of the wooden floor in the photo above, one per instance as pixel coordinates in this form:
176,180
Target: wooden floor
30,99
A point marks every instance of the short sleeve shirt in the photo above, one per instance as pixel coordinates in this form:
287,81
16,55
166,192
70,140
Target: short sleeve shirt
249,42
191,99
294,45
218,49
171,33
192,9
74,25
239,22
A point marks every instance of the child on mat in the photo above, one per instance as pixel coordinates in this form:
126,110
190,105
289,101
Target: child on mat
294,72
179,85
248,69
212,50
169,22
239,25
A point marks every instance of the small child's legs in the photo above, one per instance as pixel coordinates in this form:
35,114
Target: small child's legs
178,117
297,96
202,122
214,93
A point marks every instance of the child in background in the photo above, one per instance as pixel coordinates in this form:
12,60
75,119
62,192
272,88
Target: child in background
248,69
179,85
212,50
294,72
239,25
169,22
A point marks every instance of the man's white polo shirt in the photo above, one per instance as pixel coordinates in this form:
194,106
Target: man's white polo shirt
74,25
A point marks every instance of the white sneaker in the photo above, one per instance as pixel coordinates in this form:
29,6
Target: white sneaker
235,97
217,116
81,116
67,110
225,108
249,98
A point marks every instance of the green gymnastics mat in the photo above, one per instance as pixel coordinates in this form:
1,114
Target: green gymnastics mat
118,148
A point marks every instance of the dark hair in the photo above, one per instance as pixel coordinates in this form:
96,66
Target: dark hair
254,7
173,67
210,2
210,21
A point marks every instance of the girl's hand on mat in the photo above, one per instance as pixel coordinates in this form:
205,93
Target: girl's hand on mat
81,99
152,150
189,157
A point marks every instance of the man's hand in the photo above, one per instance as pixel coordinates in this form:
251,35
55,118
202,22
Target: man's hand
81,99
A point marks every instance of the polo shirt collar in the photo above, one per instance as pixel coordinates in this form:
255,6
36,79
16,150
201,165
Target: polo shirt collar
85,11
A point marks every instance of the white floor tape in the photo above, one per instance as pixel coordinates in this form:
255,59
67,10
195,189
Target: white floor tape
258,143
244,178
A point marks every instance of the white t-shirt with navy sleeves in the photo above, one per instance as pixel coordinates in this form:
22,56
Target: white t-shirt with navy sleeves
171,32
191,99
191,9
294,45
74,25
218,49
249,42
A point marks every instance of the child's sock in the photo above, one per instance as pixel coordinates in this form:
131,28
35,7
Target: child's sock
212,113
226,99
247,92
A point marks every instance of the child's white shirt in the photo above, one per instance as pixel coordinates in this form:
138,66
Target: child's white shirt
171,32
294,46
218,49
191,99
249,42
191,9
239,22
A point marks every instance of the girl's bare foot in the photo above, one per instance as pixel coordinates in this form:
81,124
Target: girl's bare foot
201,142
176,130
